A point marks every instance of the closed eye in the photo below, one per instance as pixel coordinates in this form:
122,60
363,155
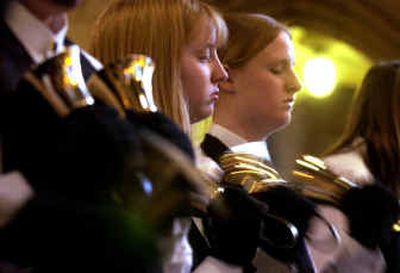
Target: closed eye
279,68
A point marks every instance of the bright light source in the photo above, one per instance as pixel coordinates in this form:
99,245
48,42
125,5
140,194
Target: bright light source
319,77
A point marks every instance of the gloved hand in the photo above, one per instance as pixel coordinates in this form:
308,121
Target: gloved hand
371,210
391,252
286,203
96,152
234,226
163,126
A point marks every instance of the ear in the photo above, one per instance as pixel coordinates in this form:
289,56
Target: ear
227,86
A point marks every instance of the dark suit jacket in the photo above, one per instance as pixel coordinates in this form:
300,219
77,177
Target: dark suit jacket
15,60
55,232
213,148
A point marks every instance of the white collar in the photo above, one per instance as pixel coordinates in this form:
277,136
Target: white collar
35,36
227,137
239,144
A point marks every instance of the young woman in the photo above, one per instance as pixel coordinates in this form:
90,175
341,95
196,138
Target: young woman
259,57
256,101
182,38
368,151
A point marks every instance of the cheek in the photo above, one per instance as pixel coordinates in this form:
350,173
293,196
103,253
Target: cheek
188,80
264,90
195,83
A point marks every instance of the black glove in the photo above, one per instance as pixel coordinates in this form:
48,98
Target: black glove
96,152
234,226
163,126
372,210
391,252
287,204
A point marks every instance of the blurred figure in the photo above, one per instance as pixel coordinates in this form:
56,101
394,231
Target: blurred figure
44,228
368,153
32,32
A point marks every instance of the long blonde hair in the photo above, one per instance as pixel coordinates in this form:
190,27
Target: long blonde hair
160,29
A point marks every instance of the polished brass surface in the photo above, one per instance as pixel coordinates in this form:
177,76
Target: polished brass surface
249,171
314,180
60,82
132,80
67,80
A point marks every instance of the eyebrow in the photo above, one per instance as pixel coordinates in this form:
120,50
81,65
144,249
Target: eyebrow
282,61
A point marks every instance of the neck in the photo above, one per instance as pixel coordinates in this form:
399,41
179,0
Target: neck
56,22
242,129
53,16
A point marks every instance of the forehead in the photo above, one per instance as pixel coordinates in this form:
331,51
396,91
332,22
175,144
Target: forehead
203,32
281,48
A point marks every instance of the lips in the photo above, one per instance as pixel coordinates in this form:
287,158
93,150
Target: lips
289,102
214,95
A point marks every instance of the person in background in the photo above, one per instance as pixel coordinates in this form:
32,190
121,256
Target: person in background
46,229
256,101
32,32
368,153
29,29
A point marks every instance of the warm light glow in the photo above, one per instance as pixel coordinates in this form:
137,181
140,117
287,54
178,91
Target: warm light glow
320,77
396,226
351,64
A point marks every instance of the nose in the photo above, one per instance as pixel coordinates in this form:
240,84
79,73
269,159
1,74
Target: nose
219,74
294,84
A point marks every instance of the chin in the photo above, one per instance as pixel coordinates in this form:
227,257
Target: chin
282,123
199,116
67,3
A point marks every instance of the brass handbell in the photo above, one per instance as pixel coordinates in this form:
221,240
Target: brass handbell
255,176
130,83
249,171
315,181
60,82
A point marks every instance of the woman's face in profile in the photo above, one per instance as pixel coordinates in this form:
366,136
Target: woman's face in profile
201,70
265,86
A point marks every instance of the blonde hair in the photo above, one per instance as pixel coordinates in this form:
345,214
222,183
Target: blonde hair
159,29
248,35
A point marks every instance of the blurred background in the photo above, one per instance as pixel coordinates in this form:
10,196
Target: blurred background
336,42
